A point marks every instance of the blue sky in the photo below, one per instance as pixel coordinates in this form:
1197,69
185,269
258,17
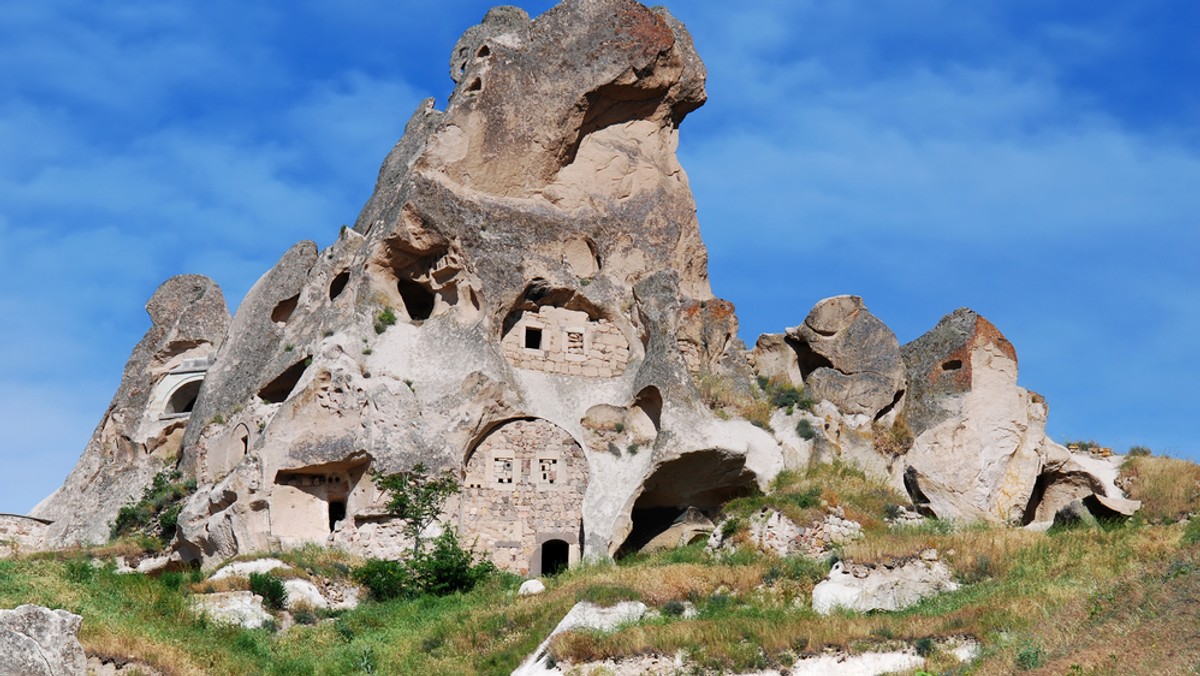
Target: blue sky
1038,162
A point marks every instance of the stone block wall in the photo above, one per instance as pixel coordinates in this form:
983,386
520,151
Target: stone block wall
21,534
523,486
567,342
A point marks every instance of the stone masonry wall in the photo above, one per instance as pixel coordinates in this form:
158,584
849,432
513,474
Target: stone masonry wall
557,340
524,484
20,533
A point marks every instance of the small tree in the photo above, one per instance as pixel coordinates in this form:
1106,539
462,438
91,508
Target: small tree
417,497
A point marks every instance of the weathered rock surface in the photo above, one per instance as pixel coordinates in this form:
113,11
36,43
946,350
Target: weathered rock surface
848,357
771,531
37,641
582,615
142,431
240,608
691,526
889,587
529,263
980,450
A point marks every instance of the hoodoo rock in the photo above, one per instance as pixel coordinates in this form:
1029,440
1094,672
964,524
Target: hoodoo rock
524,301
980,450
142,431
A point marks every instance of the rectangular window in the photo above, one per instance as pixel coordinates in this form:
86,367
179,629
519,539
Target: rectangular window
548,468
503,470
533,338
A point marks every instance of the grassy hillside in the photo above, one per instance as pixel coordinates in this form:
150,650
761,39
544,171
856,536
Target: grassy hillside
1119,599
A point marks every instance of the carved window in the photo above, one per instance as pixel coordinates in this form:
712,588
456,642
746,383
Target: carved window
502,469
533,338
548,470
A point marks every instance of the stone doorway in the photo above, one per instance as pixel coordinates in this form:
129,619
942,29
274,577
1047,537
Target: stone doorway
554,557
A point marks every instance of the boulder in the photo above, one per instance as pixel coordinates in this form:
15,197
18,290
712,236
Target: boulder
849,357
37,641
776,360
691,526
244,568
531,588
979,439
240,608
891,587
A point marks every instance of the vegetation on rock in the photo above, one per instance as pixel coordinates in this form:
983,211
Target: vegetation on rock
157,513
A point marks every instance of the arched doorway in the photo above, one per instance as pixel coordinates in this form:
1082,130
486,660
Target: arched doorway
523,486
555,557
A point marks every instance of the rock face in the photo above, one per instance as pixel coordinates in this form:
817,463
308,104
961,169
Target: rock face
848,357
523,300
36,641
882,587
238,608
142,431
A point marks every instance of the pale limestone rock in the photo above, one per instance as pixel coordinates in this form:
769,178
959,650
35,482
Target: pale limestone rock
301,593
240,608
888,588
582,615
531,588
37,641
244,568
691,526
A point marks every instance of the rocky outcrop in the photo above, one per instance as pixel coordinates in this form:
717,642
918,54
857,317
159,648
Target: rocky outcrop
583,615
142,430
237,608
980,450
772,532
890,586
848,357
691,526
523,300
37,641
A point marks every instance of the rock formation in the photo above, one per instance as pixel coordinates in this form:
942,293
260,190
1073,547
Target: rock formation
37,641
524,300
142,431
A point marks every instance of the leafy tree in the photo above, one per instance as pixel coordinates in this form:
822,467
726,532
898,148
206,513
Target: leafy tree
417,497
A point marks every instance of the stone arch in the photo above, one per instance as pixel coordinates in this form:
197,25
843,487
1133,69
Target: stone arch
182,399
703,480
523,485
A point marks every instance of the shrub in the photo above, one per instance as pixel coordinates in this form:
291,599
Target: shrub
448,568
270,588
1139,452
1030,656
157,513
805,429
385,318
892,441
386,580
673,608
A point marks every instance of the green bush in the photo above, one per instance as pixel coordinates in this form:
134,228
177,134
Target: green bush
385,318
270,588
157,513
1030,656
1139,452
443,569
448,568
805,429
385,579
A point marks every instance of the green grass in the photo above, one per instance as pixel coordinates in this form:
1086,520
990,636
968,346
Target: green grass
1117,599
